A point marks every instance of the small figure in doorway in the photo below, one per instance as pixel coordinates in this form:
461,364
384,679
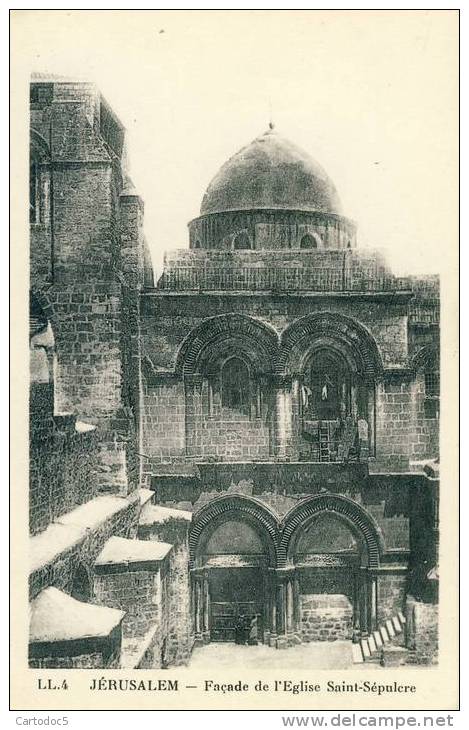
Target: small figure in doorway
252,640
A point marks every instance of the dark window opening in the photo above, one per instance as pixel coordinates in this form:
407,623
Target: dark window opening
308,241
197,244
236,387
242,241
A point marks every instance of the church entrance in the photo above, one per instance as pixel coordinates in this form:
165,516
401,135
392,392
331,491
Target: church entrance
236,605
310,578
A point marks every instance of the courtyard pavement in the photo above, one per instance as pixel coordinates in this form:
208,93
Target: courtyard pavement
317,655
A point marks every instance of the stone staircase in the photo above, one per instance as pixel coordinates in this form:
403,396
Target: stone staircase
381,642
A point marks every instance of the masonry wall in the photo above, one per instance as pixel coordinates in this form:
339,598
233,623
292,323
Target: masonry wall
326,605
421,631
426,435
62,472
180,636
67,565
392,591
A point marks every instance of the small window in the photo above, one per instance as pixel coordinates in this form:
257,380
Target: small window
236,388
242,241
308,241
197,244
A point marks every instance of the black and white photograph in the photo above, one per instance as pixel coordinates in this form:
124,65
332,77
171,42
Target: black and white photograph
240,227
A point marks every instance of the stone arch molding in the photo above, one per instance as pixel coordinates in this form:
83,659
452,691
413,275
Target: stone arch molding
280,532
351,512
281,355
349,335
427,356
235,505
259,338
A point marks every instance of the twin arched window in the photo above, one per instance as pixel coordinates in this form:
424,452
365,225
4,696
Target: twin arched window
236,385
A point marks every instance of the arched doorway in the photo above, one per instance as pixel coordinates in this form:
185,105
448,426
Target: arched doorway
332,547
233,554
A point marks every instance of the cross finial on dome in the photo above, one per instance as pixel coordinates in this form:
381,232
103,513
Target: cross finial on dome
271,125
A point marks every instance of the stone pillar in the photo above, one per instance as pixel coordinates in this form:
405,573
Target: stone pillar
371,417
193,413
363,602
373,590
296,606
198,607
283,418
356,607
206,609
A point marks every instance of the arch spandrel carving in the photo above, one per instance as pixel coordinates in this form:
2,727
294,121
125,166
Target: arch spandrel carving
351,512
347,334
259,337
230,507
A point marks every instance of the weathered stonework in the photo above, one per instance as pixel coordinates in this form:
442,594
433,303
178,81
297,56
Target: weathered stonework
266,410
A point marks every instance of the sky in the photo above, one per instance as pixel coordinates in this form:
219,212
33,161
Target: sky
371,95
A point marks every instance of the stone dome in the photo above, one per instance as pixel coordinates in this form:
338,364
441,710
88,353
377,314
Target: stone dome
271,173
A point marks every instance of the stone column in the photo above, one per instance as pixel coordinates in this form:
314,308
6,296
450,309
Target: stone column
363,602
201,614
356,606
193,413
373,590
371,417
282,418
297,606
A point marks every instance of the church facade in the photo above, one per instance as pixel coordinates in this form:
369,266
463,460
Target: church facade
245,449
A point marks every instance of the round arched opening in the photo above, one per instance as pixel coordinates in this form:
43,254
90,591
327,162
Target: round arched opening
329,557
308,241
233,549
242,241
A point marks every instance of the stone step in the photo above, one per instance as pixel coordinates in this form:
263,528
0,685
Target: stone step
401,618
397,624
365,648
357,656
378,639
390,629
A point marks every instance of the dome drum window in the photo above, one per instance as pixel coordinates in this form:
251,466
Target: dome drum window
242,241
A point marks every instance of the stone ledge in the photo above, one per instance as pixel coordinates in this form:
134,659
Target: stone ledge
71,529
56,616
121,554
145,496
155,514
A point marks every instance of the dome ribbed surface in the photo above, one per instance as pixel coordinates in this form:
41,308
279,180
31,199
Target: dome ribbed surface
271,173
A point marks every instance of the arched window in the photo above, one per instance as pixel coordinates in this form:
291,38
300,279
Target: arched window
308,241
197,244
242,240
236,386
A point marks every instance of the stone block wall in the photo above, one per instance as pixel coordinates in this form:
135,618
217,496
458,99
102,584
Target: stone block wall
394,425
392,589
426,435
325,617
421,631
62,569
163,423
180,632
137,592
62,472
